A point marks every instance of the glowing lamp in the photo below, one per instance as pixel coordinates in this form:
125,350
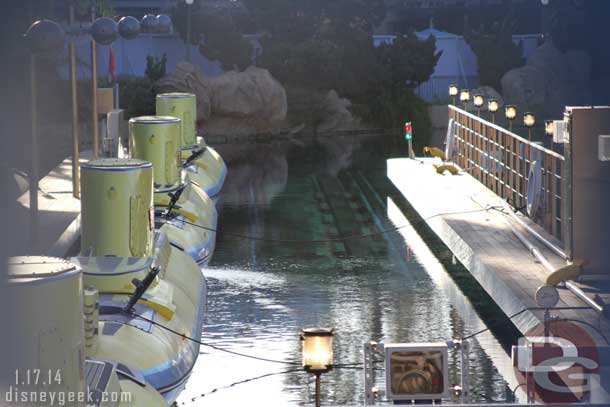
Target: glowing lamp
548,127
511,112
464,95
317,349
529,120
478,100
453,90
493,105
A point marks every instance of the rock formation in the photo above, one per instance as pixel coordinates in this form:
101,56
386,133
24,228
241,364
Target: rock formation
237,102
337,115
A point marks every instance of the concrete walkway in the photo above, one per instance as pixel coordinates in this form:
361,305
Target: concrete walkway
58,212
457,209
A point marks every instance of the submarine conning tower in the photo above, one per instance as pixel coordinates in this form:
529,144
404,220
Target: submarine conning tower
183,106
157,139
117,214
46,298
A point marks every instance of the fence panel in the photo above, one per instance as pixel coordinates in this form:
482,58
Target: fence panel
501,160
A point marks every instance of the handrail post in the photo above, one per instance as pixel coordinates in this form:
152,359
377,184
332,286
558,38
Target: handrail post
566,189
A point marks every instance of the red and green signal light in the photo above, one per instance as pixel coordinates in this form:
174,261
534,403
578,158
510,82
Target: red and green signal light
408,131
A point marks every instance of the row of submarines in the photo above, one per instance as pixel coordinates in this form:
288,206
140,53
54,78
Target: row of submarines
148,222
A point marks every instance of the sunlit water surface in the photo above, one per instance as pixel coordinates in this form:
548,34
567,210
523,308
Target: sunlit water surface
260,294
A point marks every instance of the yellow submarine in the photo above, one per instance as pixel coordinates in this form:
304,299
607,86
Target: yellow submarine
183,211
48,293
146,287
201,163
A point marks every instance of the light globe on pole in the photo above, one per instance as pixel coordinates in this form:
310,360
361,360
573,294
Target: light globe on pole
189,3
317,353
548,127
510,112
464,97
317,349
493,106
478,102
453,91
529,121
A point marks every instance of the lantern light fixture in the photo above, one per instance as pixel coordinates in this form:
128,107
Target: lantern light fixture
317,349
529,120
511,112
548,127
493,105
453,90
464,95
478,100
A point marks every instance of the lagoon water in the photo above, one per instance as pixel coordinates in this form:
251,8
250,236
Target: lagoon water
386,288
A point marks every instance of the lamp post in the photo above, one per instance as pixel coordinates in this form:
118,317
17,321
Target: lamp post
493,106
478,102
529,121
453,91
510,112
549,129
94,115
42,37
464,97
317,353
189,3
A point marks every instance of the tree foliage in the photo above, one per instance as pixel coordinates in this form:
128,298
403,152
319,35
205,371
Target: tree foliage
495,50
155,67
327,45
313,46
217,35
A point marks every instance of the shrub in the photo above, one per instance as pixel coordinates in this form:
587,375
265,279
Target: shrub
137,95
155,67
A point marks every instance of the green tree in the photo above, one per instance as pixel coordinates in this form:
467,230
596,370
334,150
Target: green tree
217,35
495,50
155,67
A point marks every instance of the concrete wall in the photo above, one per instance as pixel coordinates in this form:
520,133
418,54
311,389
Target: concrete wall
591,188
439,116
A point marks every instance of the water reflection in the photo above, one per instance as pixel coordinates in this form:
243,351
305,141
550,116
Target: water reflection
261,294
259,172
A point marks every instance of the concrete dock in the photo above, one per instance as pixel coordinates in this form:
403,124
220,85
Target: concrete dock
58,211
465,215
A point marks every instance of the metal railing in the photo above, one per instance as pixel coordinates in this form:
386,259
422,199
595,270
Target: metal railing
501,161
